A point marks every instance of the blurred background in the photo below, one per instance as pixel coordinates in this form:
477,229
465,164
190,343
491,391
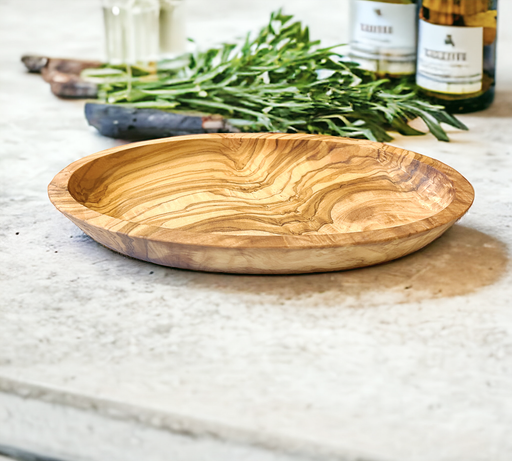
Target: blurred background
80,23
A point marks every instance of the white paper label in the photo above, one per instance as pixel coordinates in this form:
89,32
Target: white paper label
450,58
383,36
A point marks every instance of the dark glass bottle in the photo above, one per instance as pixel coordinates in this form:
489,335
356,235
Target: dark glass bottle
383,36
457,53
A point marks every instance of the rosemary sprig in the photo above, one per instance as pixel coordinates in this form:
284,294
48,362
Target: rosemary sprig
279,80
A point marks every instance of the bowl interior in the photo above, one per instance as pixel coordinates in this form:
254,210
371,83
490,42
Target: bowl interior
262,186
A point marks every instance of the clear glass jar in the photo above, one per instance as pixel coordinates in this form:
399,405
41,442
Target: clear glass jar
131,31
172,28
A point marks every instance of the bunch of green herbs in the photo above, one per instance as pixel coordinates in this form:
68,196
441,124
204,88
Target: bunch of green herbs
281,81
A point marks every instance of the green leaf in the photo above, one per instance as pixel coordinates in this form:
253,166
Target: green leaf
278,80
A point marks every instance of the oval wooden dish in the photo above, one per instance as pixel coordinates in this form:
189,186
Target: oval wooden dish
261,203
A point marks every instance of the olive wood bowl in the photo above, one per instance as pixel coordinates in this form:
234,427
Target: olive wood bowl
261,203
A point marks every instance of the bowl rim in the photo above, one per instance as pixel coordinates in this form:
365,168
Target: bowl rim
62,199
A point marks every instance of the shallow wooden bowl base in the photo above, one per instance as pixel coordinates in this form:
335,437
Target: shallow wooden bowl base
261,203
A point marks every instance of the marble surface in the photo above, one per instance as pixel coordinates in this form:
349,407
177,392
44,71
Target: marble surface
408,361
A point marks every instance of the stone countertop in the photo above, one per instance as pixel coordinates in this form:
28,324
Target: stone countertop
106,357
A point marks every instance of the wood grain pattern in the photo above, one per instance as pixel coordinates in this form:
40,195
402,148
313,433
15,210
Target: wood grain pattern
261,203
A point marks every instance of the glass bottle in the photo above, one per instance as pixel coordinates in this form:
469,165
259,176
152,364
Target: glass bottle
457,53
131,31
383,36
172,28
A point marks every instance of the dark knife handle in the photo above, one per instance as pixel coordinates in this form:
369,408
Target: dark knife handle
35,63
134,124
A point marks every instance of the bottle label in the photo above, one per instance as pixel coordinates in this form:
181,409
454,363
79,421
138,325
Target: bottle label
383,36
450,58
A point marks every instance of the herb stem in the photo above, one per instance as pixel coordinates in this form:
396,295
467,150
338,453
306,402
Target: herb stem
280,80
